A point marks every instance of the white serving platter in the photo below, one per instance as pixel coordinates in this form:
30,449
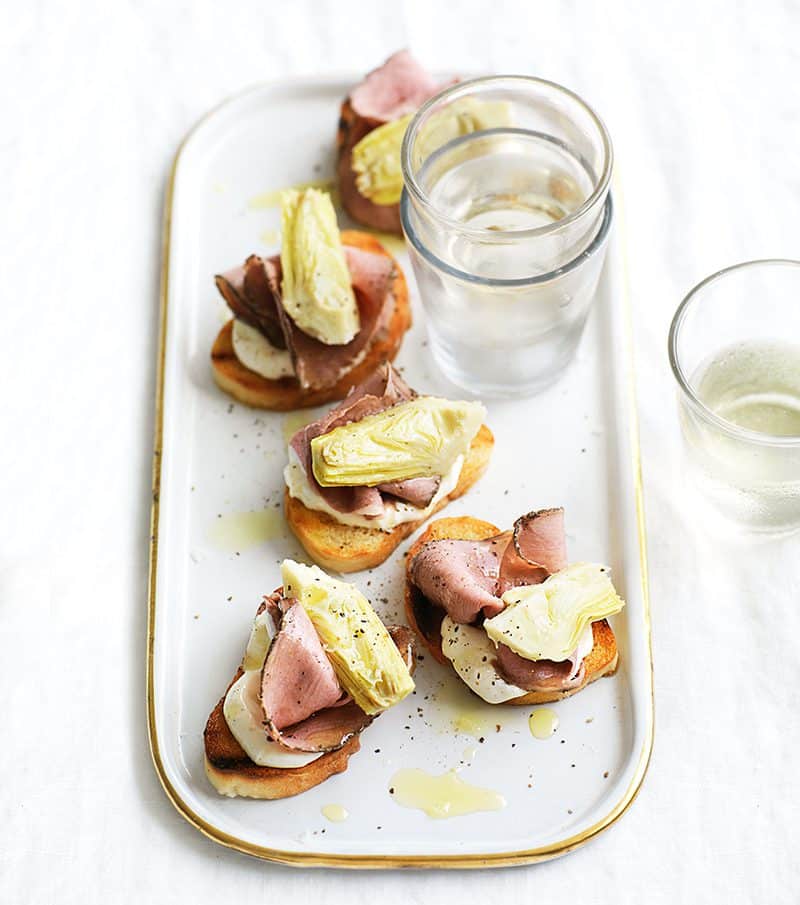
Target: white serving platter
573,445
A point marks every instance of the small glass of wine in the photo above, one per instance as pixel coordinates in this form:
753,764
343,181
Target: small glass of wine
734,347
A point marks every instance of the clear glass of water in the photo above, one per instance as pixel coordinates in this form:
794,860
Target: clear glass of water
734,347
507,214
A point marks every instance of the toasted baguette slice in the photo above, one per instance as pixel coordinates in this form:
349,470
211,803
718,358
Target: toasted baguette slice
286,394
232,773
345,548
426,619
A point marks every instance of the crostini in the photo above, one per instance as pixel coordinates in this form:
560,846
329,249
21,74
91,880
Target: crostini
380,107
319,667
506,611
313,322
368,473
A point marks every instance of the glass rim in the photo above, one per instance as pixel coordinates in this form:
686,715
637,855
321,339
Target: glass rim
688,303
464,87
591,249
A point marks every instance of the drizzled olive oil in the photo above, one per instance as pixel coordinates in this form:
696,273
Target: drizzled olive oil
457,709
543,723
336,813
442,796
238,531
272,198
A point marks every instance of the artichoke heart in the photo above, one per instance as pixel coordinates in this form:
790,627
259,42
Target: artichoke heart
366,661
376,158
545,621
317,292
376,162
461,118
419,438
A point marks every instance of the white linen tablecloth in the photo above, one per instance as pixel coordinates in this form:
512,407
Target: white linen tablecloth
701,100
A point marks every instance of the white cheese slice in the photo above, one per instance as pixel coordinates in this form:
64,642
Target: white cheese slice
258,354
472,653
243,714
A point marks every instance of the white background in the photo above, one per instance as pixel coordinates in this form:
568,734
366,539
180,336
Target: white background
701,100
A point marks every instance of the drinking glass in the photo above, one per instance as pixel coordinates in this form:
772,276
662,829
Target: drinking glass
507,215
734,348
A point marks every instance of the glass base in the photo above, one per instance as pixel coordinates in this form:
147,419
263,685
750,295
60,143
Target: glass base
766,511
504,373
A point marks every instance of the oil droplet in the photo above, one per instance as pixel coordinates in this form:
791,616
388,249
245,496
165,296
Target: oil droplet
270,236
457,709
273,199
543,723
294,421
470,724
334,812
442,796
236,531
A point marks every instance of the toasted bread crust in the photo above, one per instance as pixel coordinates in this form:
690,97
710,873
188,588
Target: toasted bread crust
426,619
286,394
232,773
345,548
